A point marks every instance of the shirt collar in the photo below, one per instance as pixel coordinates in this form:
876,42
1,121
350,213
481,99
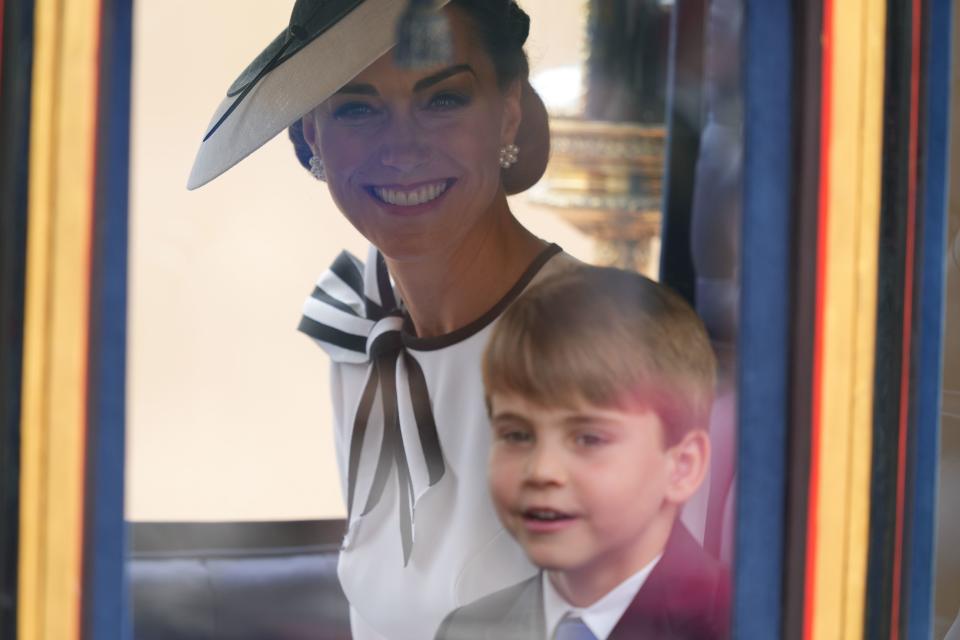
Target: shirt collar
600,617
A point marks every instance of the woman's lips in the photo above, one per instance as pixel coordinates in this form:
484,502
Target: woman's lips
409,199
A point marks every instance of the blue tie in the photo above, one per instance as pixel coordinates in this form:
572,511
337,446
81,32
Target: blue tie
573,629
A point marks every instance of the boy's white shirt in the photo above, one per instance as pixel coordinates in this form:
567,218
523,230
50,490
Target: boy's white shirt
602,616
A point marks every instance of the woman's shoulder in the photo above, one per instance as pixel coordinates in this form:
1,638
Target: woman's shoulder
559,262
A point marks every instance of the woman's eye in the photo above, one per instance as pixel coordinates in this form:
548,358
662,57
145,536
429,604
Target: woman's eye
354,111
446,101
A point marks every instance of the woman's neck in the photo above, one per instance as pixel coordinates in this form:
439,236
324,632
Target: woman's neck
455,287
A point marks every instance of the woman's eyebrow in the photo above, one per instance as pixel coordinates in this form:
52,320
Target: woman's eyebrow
443,74
362,89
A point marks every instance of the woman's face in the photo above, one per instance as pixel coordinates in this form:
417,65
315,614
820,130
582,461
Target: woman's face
411,157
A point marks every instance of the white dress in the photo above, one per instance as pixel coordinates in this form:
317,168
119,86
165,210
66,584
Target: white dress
423,537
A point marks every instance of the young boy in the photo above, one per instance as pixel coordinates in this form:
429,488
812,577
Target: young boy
599,384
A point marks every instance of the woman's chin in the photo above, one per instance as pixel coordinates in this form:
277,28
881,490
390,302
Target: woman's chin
427,236
422,230
413,248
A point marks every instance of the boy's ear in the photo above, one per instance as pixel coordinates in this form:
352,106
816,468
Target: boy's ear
689,461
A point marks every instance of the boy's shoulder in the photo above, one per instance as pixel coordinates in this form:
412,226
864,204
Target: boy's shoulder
687,595
686,560
512,613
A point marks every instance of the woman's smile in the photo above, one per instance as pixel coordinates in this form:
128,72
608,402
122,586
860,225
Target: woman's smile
410,199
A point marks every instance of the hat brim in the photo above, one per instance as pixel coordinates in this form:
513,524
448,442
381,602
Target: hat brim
296,86
317,71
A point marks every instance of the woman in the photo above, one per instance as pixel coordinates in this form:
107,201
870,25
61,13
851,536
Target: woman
416,159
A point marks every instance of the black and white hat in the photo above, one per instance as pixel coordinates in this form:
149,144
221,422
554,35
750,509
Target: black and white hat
327,43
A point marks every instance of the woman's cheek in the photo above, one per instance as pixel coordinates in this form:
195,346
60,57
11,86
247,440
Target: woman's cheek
344,147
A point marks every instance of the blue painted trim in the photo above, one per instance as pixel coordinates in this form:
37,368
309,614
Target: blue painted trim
106,603
15,89
765,316
931,283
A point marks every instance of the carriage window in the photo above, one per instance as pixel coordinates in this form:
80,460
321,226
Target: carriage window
230,437
228,416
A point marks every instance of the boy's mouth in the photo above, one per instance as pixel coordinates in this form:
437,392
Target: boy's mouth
545,520
545,515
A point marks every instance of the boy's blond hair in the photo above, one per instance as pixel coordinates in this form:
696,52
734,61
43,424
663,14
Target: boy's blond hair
610,338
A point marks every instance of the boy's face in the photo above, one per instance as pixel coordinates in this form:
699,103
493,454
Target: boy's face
586,488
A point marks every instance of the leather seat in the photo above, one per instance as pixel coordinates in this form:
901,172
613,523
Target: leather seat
263,580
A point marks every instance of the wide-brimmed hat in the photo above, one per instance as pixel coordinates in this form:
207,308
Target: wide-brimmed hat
327,43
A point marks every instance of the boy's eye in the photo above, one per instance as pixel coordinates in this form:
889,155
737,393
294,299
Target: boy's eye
590,439
354,111
446,101
514,436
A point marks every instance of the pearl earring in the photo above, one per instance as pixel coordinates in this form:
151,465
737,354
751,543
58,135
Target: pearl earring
508,155
316,168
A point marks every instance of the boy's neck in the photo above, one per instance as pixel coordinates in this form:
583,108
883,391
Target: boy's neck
585,585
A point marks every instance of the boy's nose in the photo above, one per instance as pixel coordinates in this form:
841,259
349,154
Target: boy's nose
544,466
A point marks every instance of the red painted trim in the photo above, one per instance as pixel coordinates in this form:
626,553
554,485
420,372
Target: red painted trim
826,97
905,360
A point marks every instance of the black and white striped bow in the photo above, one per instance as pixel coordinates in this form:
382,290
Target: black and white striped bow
353,314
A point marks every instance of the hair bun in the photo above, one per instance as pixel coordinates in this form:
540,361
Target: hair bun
519,23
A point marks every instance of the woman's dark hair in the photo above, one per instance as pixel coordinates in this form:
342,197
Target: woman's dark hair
502,27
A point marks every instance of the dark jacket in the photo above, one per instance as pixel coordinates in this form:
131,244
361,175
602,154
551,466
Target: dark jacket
685,597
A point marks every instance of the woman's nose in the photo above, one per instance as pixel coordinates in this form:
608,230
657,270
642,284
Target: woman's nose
402,148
